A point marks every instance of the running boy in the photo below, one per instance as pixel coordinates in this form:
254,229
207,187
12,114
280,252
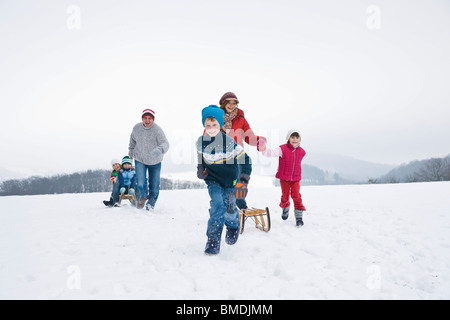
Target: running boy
218,165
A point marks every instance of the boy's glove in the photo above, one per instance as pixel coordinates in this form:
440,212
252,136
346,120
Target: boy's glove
241,190
241,186
244,178
201,172
261,144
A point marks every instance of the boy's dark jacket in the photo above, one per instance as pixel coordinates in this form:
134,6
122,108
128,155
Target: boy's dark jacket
222,158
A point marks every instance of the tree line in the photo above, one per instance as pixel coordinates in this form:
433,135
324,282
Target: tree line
80,182
434,169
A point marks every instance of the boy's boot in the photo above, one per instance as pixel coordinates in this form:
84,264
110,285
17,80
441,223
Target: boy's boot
232,236
299,217
212,246
285,213
109,203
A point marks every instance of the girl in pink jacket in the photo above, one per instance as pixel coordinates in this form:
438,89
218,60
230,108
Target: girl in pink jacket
290,157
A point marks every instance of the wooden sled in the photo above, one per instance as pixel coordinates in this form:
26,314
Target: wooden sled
259,216
126,196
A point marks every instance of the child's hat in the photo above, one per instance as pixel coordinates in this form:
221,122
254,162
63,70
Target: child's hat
126,159
215,112
149,112
114,161
290,132
228,96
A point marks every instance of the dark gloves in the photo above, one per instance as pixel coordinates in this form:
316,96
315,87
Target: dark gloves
241,186
244,178
201,172
241,190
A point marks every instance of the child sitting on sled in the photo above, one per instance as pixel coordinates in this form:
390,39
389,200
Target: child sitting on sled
290,173
218,164
113,177
126,181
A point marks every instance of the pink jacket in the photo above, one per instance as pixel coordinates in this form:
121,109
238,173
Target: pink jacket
290,161
290,164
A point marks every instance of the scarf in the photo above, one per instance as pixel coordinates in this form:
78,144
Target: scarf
228,118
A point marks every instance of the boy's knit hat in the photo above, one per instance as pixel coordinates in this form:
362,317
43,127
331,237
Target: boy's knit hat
228,96
149,112
126,159
215,112
114,161
290,132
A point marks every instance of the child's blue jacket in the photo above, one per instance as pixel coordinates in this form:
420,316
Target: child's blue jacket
127,178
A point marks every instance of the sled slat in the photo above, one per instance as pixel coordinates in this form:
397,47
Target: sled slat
129,197
259,216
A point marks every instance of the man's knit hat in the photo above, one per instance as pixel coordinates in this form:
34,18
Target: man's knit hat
149,112
228,96
126,159
215,112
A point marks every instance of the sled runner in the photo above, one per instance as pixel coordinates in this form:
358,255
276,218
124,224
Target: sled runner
126,196
261,217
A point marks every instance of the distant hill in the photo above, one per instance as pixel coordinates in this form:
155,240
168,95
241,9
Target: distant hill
347,168
434,169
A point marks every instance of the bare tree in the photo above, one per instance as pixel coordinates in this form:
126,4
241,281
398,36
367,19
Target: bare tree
435,169
447,168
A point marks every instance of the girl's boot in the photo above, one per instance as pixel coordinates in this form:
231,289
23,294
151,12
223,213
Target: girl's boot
285,213
299,217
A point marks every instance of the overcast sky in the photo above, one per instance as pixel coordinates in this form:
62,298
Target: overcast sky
366,79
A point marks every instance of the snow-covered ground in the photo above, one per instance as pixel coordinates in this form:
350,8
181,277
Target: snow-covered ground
358,242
